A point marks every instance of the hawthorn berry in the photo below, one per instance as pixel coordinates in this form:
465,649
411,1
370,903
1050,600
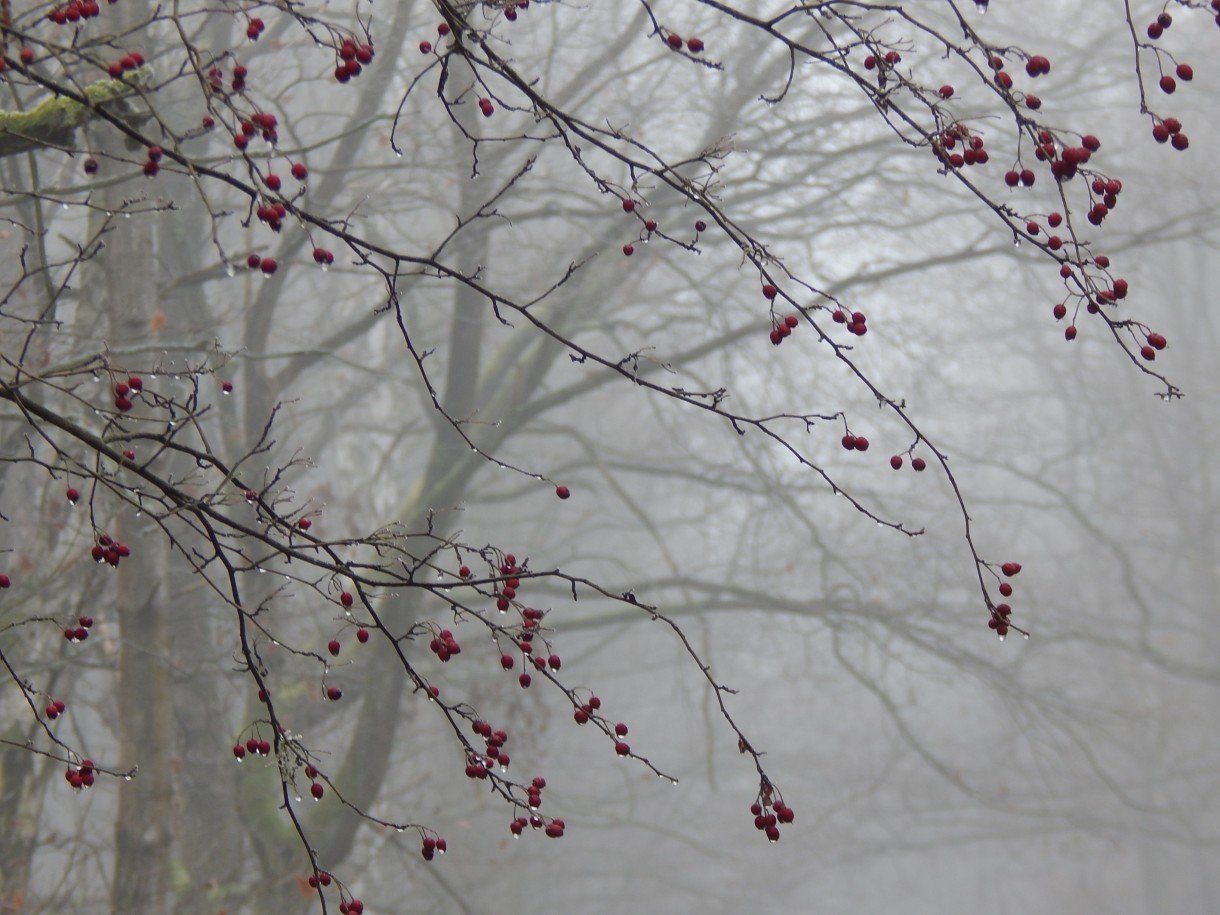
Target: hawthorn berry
628,250
333,693
562,492
90,166
674,40
918,464
333,647
694,45
896,462
317,791
1185,72
73,494
268,265
621,748
362,635
700,225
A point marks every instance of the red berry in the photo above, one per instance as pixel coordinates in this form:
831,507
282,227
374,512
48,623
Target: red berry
1185,72
1180,141
628,205
563,492
628,250
861,443
333,646
1060,310
896,462
918,464
317,791
73,494
849,442
1010,568
425,47
674,40
334,694
1156,341
1070,333
525,680
946,91
769,291
694,45
1148,352
1168,84
700,225
362,636
506,661
268,265
621,748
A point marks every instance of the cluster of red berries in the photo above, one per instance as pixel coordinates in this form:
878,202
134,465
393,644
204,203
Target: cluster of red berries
323,257
272,213
1001,612
216,80
1155,342
80,776
768,815
74,11
254,746
1170,131
266,264
260,123
783,329
1108,190
131,61
80,631
444,645
316,788
108,550
674,40
254,28
587,711
477,766
1054,220
972,152
55,709
353,906
855,321
152,164
125,390
854,442
553,828
432,847
889,59
511,7
917,464
321,878
352,58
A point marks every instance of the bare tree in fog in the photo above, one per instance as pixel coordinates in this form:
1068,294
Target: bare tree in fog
355,367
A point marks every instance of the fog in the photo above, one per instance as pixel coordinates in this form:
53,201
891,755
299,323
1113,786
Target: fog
829,604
